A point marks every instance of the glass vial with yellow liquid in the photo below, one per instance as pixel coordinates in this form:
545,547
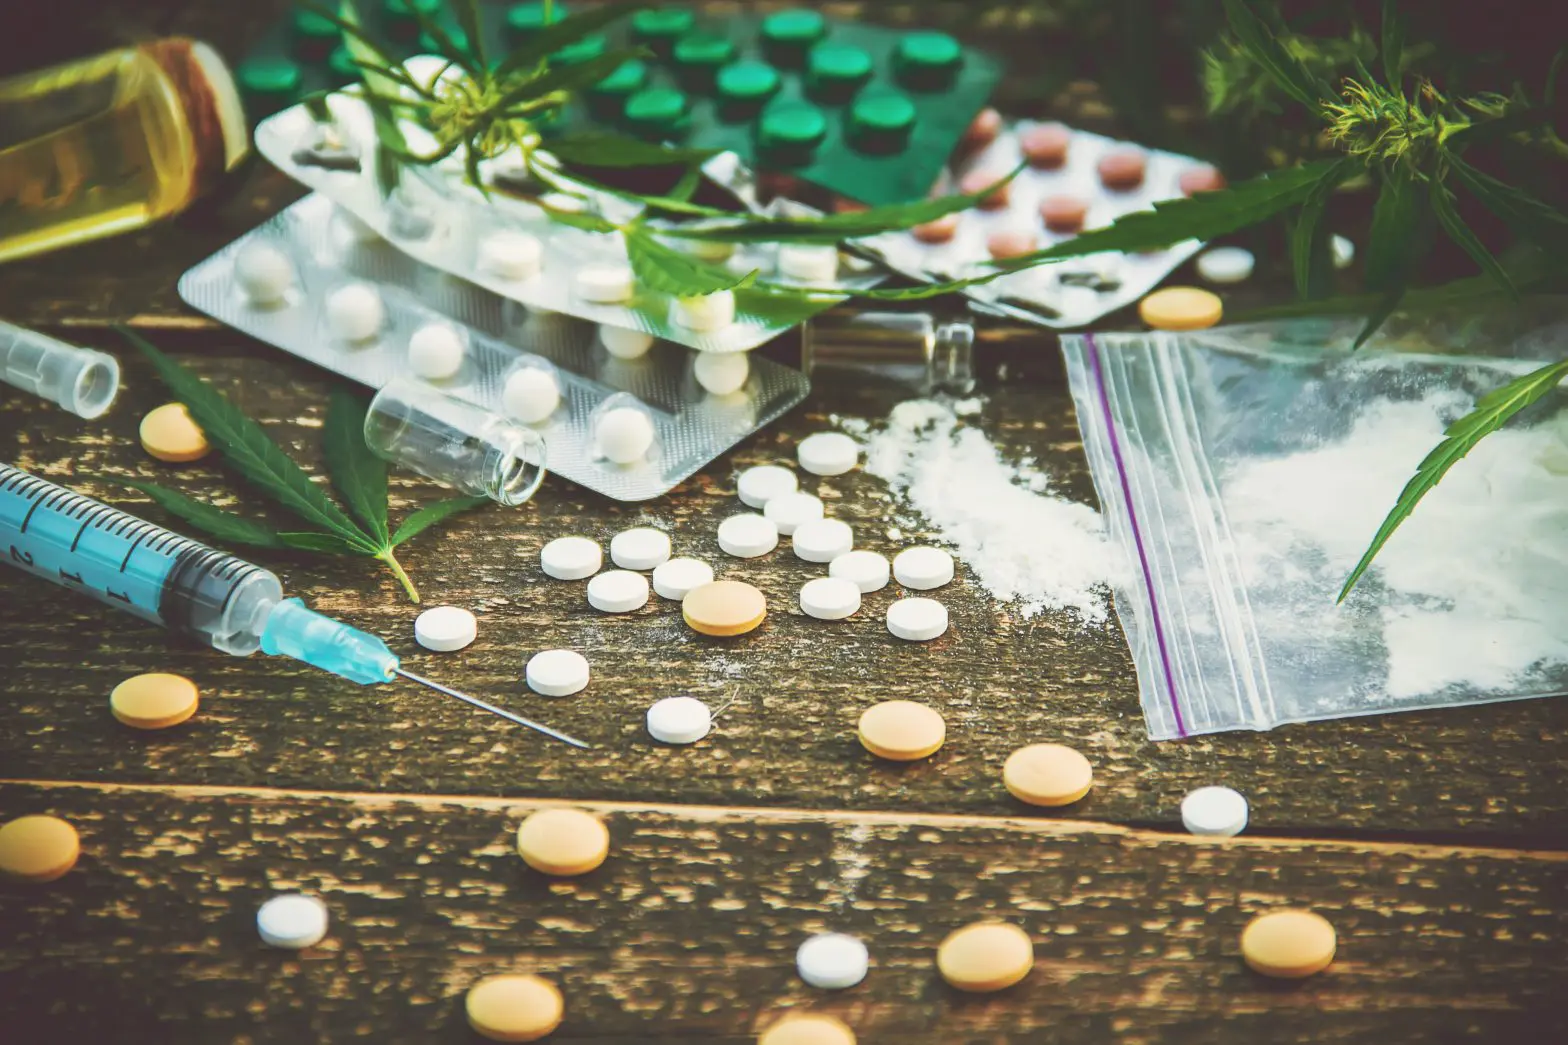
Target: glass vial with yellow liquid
107,144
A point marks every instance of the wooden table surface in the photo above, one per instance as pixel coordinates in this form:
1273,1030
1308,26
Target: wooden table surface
1437,843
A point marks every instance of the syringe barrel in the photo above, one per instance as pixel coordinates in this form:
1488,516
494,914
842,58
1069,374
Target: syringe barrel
79,379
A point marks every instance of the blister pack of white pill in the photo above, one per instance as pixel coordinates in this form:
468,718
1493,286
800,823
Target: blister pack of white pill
620,412
512,246
1073,181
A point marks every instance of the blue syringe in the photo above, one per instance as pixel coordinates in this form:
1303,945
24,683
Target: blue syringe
160,576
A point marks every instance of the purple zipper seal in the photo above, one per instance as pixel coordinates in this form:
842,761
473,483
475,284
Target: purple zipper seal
1137,532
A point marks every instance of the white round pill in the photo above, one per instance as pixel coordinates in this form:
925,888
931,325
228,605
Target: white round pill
618,591
1219,812
759,485
704,312
531,394
829,598
679,720
822,540
922,568
808,262
917,619
1343,251
624,434
557,672
748,536
263,272
673,579
355,312
511,254
435,351
832,961
1226,264
827,453
869,570
624,342
604,284
722,373
292,921
445,628
571,558
641,548
790,511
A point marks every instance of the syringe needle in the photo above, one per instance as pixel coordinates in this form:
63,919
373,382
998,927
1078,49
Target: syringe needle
476,702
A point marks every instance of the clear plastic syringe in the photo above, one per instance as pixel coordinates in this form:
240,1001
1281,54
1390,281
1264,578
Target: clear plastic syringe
224,601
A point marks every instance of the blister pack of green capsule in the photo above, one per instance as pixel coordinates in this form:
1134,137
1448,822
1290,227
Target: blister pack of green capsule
866,112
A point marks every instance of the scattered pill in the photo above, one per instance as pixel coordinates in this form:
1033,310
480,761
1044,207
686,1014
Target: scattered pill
264,273
722,373
923,568
869,570
511,254
1217,812
1045,145
808,263
435,351
563,841
1226,264
355,312
829,598
571,558
704,313
828,453
292,921
624,435
1288,945
901,730
641,548
557,672
917,619
791,510
604,284
1047,775
760,484
1181,308
1122,170
1343,251
514,1008
618,591
1063,214
679,720
822,540
982,130
38,848
985,956
445,628
1011,243
724,608
747,536
531,394
809,1029
937,230
624,342
153,701
1194,180
832,961
169,434
676,578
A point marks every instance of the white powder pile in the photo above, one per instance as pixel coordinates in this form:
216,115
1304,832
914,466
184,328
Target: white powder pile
1025,545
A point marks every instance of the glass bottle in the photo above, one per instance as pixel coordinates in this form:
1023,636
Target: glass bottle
909,348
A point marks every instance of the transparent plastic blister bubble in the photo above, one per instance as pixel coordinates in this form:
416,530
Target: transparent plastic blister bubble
512,247
1070,293
356,305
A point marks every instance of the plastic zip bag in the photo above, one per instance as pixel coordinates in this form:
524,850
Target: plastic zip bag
1243,470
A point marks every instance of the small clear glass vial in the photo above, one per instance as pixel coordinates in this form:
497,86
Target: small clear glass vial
909,348
455,442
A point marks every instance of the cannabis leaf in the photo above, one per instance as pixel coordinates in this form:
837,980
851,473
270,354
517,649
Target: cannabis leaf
617,150
1492,411
358,475
666,269
1259,41
1305,233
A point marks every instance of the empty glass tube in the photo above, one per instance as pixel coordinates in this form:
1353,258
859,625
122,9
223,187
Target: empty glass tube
911,348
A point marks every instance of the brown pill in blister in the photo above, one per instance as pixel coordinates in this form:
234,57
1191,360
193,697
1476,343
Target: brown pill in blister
1045,145
980,181
982,130
1063,214
1010,243
845,205
1194,180
1122,169
939,230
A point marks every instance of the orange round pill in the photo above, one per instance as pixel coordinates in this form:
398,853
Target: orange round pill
514,1007
1122,170
979,181
808,1030
563,841
1047,775
982,130
169,434
153,701
937,230
1181,308
724,608
1194,180
1045,145
985,956
1010,243
901,730
38,848
1063,213
1288,945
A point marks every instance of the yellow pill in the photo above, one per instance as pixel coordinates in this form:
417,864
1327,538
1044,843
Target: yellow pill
901,730
154,700
514,1007
563,841
724,608
985,956
1288,945
808,1030
169,434
1047,775
38,848
1181,308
